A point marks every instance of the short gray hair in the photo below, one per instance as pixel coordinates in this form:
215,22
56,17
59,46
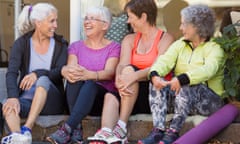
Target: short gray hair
103,12
30,13
202,17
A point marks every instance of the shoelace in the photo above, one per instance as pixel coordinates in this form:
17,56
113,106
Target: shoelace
104,133
170,134
153,132
62,132
77,132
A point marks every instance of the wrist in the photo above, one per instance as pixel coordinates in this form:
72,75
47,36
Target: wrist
152,75
97,76
63,71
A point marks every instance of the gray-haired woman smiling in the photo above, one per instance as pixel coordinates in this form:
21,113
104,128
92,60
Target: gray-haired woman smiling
90,74
198,64
37,57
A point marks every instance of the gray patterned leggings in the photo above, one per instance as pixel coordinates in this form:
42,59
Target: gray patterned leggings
197,99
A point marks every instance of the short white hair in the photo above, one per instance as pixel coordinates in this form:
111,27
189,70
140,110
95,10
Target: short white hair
103,12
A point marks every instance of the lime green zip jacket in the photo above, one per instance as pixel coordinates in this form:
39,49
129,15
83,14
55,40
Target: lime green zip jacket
204,64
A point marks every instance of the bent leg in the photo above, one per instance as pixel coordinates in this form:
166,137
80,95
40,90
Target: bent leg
83,104
208,101
198,99
39,99
13,121
110,112
127,102
159,105
72,92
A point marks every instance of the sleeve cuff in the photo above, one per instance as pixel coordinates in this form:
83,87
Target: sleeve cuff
183,79
152,74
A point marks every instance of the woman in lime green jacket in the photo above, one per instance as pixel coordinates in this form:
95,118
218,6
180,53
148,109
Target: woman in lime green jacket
198,64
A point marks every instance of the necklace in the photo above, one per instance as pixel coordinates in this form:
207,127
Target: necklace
144,48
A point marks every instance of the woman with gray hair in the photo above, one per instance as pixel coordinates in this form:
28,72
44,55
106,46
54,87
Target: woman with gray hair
197,87
89,73
34,81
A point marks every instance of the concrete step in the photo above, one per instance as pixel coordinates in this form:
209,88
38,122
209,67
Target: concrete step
138,127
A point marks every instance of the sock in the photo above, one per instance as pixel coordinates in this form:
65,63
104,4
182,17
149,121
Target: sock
25,129
122,124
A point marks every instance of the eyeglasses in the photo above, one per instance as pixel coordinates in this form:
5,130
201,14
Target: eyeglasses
184,24
93,19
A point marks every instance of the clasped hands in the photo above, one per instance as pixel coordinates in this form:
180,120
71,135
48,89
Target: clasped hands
74,73
124,82
160,83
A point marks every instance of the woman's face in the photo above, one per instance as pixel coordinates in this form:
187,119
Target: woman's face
93,25
48,26
134,21
188,30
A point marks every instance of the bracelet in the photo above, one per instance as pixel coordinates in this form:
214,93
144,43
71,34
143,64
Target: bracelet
97,76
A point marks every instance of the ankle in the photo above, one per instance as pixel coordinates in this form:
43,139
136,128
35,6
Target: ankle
24,129
122,124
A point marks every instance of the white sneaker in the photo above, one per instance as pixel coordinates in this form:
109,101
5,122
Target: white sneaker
103,136
15,138
121,134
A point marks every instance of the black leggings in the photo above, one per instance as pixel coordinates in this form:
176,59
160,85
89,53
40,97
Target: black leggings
84,98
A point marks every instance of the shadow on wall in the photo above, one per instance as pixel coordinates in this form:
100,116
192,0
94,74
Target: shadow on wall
172,18
117,7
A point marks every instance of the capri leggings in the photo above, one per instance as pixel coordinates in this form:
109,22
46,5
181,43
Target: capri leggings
196,99
54,103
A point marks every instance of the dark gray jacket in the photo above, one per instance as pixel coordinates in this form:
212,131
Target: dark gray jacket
20,59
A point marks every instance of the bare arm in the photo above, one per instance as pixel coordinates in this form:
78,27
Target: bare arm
74,72
125,55
109,70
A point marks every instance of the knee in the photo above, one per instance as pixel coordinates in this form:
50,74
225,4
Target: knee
7,113
44,82
110,98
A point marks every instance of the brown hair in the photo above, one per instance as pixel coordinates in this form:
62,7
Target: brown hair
138,7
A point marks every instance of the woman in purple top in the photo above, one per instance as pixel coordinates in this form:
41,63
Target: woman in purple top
89,73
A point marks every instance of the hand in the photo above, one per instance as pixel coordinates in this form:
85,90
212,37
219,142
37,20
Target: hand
12,104
83,73
158,82
72,73
123,83
175,85
28,81
125,92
